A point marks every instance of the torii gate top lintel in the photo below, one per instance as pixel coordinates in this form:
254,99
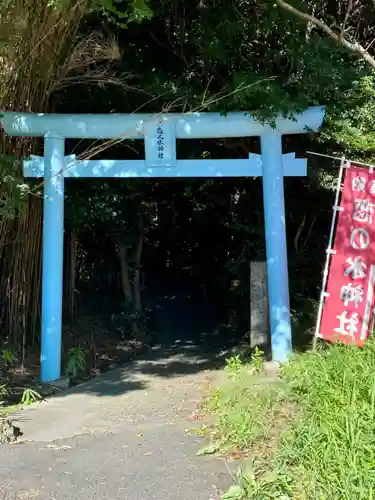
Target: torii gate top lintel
160,132
132,126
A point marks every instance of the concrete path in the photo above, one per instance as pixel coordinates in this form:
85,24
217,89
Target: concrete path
120,436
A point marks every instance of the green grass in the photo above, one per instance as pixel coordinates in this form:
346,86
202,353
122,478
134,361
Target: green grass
311,435
244,408
8,410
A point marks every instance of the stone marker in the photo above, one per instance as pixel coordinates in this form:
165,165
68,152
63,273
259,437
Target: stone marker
259,317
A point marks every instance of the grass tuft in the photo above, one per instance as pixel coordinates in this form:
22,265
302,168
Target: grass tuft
244,409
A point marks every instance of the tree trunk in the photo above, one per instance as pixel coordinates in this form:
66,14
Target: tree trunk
125,277
71,271
139,333
132,293
137,262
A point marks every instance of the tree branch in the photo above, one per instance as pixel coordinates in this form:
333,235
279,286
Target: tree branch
354,47
347,14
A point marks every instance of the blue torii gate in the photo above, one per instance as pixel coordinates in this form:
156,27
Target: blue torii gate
160,132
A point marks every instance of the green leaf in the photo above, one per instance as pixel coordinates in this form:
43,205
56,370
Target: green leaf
235,492
29,396
210,449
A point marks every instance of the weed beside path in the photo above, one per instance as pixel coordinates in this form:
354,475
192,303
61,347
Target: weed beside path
308,434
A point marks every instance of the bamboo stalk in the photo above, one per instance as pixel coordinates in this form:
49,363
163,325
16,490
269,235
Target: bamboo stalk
43,54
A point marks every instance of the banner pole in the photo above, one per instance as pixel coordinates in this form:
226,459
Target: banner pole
329,252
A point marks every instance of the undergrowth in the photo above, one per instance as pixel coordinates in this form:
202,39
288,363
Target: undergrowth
308,435
13,395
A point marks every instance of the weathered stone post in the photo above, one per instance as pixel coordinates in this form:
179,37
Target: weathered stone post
259,314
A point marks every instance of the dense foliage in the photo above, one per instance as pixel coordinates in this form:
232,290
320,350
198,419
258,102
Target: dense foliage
138,240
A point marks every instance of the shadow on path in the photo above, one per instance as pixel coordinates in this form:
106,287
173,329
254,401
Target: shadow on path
155,386
187,341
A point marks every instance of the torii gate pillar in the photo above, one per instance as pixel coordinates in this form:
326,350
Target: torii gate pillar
276,251
53,257
160,133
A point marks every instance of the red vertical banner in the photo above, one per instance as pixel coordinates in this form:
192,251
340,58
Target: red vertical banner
349,298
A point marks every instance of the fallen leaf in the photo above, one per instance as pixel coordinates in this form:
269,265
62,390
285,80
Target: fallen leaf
28,494
195,416
19,441
209,449
237,455
58,448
